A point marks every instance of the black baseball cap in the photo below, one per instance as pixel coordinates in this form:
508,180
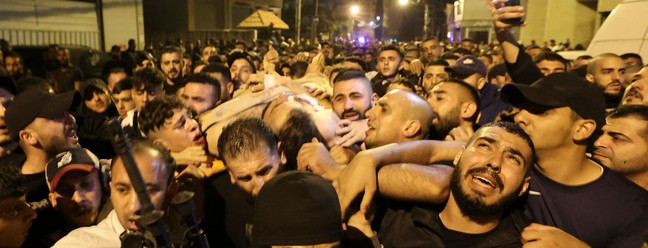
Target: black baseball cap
80,159
558,90
296,208
468,65
31,104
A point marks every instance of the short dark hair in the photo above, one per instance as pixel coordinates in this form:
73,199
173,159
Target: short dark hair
150,78
348,74
170,49
473,95
298,130
204,78
139,60
635,111
218,68
32,82
159,151
439,62
357,61
298,69
462,51
404,82
634,56
243,136
124,84
153,115
512,128
12,54
584,57
11,182
550,56
392,48
449,56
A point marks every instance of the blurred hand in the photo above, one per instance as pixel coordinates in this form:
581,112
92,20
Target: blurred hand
193,155
358,177
342,155
416,67
537,235
314,157
504,13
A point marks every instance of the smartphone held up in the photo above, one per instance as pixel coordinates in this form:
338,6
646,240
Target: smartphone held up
500,4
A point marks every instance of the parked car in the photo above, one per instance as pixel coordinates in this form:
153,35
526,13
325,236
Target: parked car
89,60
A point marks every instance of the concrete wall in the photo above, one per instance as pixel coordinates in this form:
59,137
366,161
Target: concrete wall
123,20
44,22
559,20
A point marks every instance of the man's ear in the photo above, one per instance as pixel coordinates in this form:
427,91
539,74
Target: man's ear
480,83
468,109
27,137
232,178
374,99
230,88
281,154
52,199
525,185
583,129
458,156
160,141
412,128
589,77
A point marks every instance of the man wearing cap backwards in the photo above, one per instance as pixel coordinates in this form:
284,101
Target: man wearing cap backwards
76,189
473,71
156,167
570,196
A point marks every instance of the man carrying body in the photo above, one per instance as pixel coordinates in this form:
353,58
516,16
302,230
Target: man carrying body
201,93
490,174
455,105
352,98
224,77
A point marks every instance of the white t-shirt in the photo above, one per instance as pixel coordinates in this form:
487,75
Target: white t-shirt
105,234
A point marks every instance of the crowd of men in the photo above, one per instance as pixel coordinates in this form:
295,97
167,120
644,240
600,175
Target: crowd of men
426,144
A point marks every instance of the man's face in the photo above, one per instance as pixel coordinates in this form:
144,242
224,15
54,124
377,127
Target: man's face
548,67
622,147
99,102
446,102
433,75
171,65
145,64
252,170
467,45
114,78
78,197
55,135
63,56
431,50
207,52
123,195
240,71
609,75
186,66
548,130
352,98
327,51
13,65
123,102
226,86
199,97
638,90
490,173
179,132
16,216
367,58
388,63
141,96
386,120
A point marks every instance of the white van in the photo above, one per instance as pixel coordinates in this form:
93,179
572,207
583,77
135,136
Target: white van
624,31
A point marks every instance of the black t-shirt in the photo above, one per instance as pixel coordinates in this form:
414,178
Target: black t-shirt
407,226
608,212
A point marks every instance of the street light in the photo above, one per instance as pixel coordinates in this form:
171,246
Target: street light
403,2
355,10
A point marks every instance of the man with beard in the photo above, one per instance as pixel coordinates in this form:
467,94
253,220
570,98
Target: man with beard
240,68
352,98
431,50
434,73
490,174
42,125
67,76
607,71
624,143
171,64
13,63
76,182
637,92
455,105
